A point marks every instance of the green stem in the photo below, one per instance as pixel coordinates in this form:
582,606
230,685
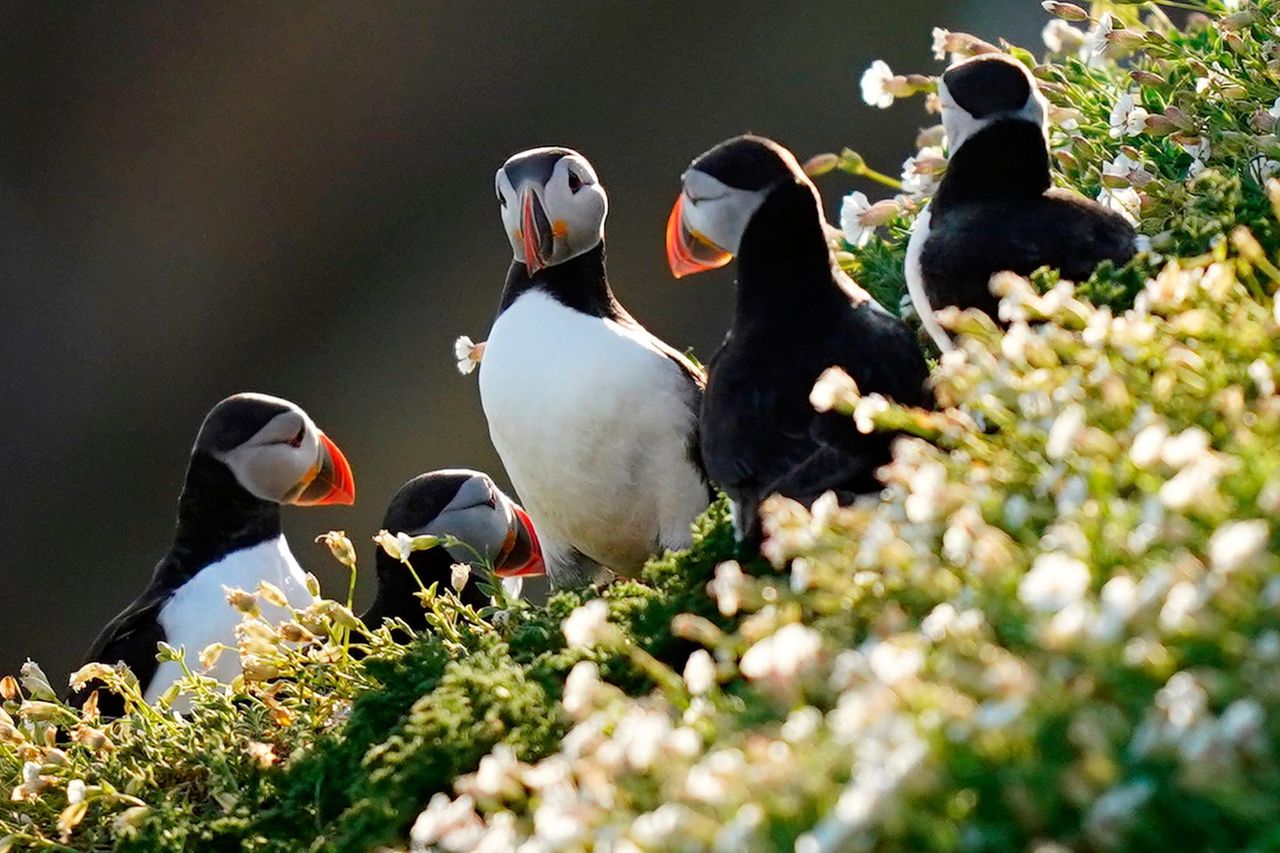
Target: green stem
879,178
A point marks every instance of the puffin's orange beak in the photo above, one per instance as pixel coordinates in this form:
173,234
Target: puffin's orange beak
522,553
535,232
689,252
332,482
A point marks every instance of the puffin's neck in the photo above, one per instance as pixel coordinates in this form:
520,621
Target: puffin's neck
217,516
784,262
396,598
580,283
1006,159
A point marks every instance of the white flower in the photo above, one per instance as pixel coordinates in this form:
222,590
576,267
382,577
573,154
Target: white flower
833,387
1064,432
580,689
1199,152
75,791
922,173
875,82
398,545
1127,118
1148,445
699,672
459,574
726,588
1260,373
1184,448
940,43
446,823
468,354
586,625
1235,544
1061,37
1054,582
1114,812
1197,481
1125,202
1127,169
851,209
892,663
1096,39
783,654
497,775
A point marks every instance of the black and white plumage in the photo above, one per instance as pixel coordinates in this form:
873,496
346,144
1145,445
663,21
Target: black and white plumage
995,209
796,315
468,506
594,417
252,454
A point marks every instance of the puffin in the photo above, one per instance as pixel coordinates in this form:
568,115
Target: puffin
796,314
594,417
467,505
995,209
252,454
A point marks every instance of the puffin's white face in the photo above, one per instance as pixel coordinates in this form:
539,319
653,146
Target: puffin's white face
553,207
716,213
285,460
720,193
493,529
984,89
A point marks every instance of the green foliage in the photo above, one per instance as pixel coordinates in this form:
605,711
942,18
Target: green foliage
1056,628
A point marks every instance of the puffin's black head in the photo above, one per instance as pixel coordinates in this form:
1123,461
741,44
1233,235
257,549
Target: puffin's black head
721,191
552,205
984,89
275,451
468,506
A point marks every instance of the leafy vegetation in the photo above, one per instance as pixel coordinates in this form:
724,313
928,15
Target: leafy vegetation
1056,629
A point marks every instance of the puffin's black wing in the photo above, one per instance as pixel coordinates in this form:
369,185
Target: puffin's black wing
130,637
969,243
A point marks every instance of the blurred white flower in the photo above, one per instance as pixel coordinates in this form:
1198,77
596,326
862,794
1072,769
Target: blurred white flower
586,625
875,81
834,387
512,587
1055,581
1235,544
1262,167
497,776
940,43
1114,812
892,662
726,587
580,689
446,823
1066,428
1196,482
856,233
1124,201
783,654
468,354
1263,378
699,672
75,791
1060,37
1127,117
1148,445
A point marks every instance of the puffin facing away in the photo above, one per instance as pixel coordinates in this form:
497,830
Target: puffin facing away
995,210
252,454
796,315
469,507
595,418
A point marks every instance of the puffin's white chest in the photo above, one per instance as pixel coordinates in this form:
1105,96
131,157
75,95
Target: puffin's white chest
916,285
198,615
592,422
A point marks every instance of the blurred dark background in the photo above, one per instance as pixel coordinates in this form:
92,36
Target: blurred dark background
297,198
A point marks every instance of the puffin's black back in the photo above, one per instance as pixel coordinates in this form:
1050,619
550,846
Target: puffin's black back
795,318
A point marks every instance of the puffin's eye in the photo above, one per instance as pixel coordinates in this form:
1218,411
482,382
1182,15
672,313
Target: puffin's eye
296,441
575,183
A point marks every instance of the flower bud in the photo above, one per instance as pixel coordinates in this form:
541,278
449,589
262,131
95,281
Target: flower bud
245,602
9,689
340,546
271,594
1065,11
821,164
